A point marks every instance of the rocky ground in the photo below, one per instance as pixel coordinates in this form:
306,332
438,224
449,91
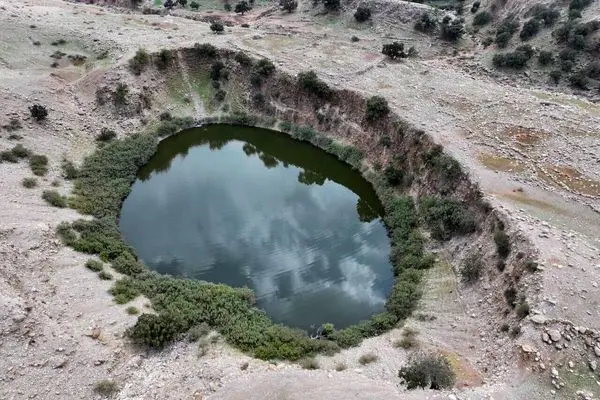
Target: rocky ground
535,154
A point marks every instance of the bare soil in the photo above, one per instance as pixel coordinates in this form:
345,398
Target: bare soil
534,153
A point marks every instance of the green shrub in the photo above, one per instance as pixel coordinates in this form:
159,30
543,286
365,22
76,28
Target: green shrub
452,30
265,67
20,151
163,59
446,217
194,5
368,358
69,170
105,276
331,5
311,83
106,388
523,310
579,4
409,339
362,14
309,363
545,58
217,27
38,112
139,62
106,135
377,107
502,243
198,331
482,18
548,16
220,95
405,295
340,366
504,327
54,198
205,50
394,50
426,23
29,183
124,290
94,265
393,176
505,32
516,60
243,59
131,310
120,94
472,268
447,167
427,371
555,76
516,331
579,80
529,29
510,294
127,264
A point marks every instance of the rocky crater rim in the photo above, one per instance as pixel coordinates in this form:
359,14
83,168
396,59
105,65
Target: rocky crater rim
447,211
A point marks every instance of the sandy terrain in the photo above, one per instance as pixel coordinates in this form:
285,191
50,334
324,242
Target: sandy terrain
535,154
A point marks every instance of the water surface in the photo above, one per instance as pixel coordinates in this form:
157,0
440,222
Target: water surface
251,207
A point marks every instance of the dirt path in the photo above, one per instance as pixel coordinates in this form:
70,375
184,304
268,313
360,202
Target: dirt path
535,155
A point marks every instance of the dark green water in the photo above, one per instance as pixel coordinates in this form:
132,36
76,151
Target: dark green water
251,207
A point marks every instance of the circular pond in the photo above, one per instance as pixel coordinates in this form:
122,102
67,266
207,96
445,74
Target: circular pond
251,207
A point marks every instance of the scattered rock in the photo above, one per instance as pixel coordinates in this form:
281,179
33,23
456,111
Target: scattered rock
593,365
538,319
527,348
554,335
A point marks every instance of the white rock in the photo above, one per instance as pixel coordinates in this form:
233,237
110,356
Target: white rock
597,350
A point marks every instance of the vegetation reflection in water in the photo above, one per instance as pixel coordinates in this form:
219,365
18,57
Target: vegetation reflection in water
249,207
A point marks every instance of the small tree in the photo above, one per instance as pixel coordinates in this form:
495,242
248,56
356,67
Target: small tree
38,112
362,14
194,5
217,27
452,30
377,107
183,2
426,23
227,7
288,5
545,58
331,5
482,18
394,50
242,7
429,371
120,94
139,61
530,29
